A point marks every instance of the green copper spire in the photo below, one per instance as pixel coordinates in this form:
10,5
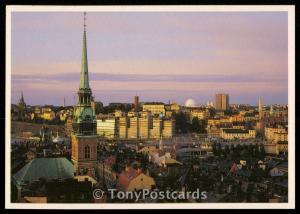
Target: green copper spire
84,77
84,120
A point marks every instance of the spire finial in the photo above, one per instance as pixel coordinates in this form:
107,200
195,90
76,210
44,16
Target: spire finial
84,20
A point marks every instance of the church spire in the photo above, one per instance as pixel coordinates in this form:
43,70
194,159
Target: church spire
84,121
21,101
22,97
84,77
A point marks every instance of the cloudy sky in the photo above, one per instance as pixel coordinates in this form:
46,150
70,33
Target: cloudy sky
158,56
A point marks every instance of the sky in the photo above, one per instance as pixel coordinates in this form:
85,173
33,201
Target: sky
159,56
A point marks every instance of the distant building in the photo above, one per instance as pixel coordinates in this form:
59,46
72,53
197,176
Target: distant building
164,160
156,129
22,108
238,125
132,114
213,131
48,115
280,136
133,130
277,148
168,129
123,127
107,127
214,127
155,108
276,134
200,114
145,126
222,102
136,103
106,174
190,103
93,104
134,180
118,113
230,134
68,125
260,108
175,107
145,123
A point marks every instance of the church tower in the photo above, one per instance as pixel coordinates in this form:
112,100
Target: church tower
22,108
83,137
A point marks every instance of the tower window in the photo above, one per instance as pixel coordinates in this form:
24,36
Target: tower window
87,152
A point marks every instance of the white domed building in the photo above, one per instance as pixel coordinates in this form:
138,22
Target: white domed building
190,103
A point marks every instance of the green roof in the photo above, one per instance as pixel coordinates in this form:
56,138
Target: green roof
48,168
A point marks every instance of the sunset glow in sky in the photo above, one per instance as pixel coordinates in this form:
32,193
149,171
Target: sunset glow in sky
158,56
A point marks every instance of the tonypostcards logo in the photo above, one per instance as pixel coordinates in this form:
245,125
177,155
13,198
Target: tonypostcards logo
151,194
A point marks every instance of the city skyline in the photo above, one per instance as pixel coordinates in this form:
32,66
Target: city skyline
149,57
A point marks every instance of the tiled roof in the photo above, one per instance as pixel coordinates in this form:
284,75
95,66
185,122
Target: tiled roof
126,176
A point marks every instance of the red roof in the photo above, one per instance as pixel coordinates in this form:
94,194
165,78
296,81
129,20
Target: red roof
126,177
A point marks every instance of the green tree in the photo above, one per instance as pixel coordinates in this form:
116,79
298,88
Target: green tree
181,123
262,152
227,149
195,127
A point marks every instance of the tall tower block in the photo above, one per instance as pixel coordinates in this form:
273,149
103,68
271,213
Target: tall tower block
136,103
222,102
260,108
83,137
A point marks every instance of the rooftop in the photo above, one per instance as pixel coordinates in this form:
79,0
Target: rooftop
235,131
47,168
154,103
126,176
